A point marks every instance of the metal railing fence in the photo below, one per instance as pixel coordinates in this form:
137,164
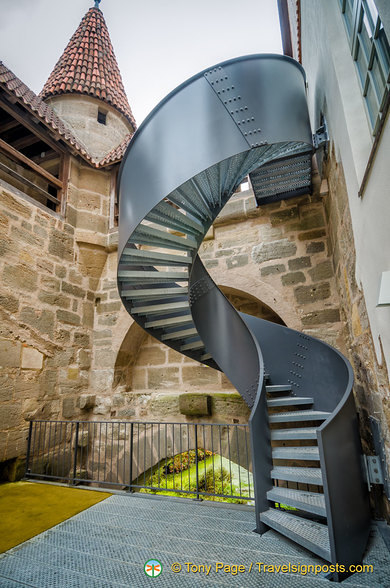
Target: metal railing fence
181,458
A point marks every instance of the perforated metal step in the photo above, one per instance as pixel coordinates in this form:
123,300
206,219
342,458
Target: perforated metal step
309,534
160,293
168,308
298,415
303,475
298,453
148,235
148,257
197,344
291,434
171,322
289,401
180,334
277,389
155,276
308,501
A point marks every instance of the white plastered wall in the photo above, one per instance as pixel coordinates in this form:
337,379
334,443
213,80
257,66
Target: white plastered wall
333,88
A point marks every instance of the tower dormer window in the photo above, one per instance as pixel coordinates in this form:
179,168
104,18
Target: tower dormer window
102,117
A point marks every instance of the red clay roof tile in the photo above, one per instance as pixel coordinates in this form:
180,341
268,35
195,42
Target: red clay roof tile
117,153
90,49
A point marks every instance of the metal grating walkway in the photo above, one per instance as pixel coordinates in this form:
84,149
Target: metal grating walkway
108,545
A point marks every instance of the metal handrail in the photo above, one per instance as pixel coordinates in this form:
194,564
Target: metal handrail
129,455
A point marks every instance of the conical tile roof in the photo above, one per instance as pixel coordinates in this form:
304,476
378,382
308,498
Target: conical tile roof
88,66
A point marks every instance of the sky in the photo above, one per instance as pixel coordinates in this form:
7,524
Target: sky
158,43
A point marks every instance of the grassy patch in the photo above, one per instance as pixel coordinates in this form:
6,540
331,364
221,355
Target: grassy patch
27,509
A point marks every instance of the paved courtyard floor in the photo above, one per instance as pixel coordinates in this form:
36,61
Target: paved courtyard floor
109,544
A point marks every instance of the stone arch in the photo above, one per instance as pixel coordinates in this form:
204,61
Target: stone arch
127,355
158,369
249,304
253,287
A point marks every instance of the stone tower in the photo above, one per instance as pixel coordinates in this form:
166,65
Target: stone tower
86,90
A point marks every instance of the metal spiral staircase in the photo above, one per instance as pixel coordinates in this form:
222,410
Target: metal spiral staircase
244,116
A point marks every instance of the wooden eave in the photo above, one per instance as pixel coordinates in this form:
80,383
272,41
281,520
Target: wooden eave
36,125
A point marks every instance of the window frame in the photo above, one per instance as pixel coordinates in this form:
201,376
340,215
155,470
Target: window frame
371,49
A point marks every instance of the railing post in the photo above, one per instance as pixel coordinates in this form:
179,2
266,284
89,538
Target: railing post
131,457
196,462
28,449
76,443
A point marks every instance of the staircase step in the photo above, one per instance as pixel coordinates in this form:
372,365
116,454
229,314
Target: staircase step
308,501
194,345
303,475
289,434
147,257
299,415
181,200
154,276
309,534
147,235
168,308
181,334
170,322
305,453
206,356
174,219
153,293
289,401
276,389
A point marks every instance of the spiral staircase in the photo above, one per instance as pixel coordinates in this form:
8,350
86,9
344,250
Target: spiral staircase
244,116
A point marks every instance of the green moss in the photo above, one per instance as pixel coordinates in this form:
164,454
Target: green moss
215,476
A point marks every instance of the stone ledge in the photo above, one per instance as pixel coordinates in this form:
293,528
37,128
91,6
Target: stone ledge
195,404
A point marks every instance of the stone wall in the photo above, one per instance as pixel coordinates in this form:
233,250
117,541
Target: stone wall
372,390
279,254
49,273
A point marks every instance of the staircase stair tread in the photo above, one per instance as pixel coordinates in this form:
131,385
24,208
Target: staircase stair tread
314,536
174,219
296,453
310,501
296,474
177,320
299,415
180,334
148,235
296,433
153,293
194,345
148,257
159,275
169,308
289,401
271,389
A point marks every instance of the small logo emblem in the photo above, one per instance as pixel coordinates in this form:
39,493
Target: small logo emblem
153,568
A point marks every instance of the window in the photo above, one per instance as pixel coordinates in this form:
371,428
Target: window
101,117
371,52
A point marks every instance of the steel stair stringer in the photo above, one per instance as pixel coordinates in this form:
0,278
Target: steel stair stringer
180,169
314,369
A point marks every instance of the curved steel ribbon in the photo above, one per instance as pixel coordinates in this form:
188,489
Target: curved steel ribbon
182,166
